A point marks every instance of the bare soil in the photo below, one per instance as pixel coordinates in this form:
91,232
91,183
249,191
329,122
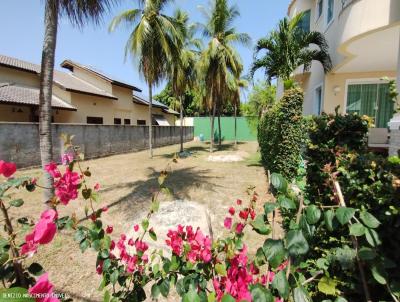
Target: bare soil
127,182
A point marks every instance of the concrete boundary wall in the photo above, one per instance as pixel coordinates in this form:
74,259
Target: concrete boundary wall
19,142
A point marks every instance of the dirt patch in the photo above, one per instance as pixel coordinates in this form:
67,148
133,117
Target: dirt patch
228,157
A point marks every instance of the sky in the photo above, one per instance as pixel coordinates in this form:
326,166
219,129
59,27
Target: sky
22,29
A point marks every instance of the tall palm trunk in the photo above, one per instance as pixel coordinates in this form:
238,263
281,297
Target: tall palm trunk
151,120
219,128
181,117
235,126
212,128
46,92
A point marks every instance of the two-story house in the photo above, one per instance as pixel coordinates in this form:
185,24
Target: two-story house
82,95
363,39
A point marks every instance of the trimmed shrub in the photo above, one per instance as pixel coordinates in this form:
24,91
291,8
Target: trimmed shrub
281,135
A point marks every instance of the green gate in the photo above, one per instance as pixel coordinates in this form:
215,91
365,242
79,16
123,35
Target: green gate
246,128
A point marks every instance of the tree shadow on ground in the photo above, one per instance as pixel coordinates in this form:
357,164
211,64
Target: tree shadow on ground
180,182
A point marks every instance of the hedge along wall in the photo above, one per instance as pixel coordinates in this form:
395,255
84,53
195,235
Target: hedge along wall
281,135
246,129
20,141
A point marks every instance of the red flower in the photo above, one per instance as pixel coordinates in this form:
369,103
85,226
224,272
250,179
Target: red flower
232,211
238,202
252,214
244,214
109,229
239,228
136,227
7,169
228,223
42,291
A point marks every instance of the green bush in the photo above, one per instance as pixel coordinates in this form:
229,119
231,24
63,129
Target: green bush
281,135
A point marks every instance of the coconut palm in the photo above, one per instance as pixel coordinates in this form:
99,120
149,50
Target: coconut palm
288,47
79,12
182,71
154,41
220,60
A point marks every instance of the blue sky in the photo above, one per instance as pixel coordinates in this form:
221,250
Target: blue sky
22,34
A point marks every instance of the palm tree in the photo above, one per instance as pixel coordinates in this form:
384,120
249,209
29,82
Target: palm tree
287,48
182,70
79,12
154,41
220,60
240,84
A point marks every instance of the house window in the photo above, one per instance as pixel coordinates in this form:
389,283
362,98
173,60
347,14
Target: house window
127,121
141,122
372,100
304,22
117,121
94,120
318,100
320,8
330,11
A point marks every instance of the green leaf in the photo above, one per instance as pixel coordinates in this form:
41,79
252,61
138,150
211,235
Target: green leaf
279,182
313,214
369,220
274,251
286,203
344,215
220,268
372,237
86,193
145,224
341,299
107,296
4,258
301,295
296,243
84,245
260,226
327,286
281,284
164,287
155,291
211,297
366,253
35,269
260,294
328,219
153,234
114,277
191,296
15,294
270,207
228,298
379,274
155,205
357,229
16,203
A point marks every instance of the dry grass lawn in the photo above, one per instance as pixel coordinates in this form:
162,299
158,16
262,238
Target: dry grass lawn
126,184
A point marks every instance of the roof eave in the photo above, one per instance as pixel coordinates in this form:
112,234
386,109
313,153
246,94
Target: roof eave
18,68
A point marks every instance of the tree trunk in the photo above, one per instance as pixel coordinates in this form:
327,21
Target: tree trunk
151,120
212,128
181,117
219,128
46,92
235,126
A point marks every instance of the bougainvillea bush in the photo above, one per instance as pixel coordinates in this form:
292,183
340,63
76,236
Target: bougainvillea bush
195,266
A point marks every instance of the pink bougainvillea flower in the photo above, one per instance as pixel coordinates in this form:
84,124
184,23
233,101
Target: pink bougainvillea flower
239,228
109,229
52,169
99,268
43,233
42,291
228,223
112,245
104,209
232,211
279,300
97,187
67,186
252,214
238,202
7,169
67,158
131,242
282,266
136,227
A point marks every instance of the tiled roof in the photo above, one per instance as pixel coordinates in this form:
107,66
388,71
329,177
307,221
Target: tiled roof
69,64
65,80
28,96
141,99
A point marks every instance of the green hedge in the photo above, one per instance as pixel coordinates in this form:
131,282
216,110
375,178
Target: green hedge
281,134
